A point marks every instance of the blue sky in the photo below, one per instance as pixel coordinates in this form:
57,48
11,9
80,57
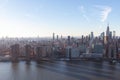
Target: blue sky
30,18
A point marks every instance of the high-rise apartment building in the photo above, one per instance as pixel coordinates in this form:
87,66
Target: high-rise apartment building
15,52
38,53
28,52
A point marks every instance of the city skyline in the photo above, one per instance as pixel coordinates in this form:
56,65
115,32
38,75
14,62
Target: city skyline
31,18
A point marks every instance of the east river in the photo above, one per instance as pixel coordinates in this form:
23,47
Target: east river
59,70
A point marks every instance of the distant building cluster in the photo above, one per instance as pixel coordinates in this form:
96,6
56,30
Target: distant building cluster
105,46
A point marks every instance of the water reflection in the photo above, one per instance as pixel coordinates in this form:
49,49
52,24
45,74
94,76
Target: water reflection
48,70
14,70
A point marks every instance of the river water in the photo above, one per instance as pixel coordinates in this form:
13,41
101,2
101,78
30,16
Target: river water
58,71
31,71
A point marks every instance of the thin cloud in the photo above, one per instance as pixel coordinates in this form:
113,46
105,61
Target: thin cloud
104,12
85,17
82,10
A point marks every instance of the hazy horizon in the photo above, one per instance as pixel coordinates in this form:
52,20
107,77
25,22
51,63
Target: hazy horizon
32,18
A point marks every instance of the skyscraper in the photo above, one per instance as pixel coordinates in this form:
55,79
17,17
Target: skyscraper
53,36
68,40
107,47
28,52
92,35
38,53
15,52
114,34
57,37
107,34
